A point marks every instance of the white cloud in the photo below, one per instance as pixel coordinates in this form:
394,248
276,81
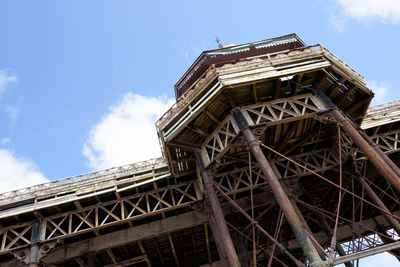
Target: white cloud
380,90
6,77
386,10
384,259
126,133
5,141
17,172
338,22
13,113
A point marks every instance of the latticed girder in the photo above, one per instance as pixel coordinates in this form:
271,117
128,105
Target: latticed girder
268,113
104,215
388,142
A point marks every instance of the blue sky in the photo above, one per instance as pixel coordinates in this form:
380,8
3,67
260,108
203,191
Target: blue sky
81,82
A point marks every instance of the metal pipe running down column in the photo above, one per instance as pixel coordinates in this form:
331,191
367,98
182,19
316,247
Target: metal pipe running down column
372,153
375,198
294,221
219,220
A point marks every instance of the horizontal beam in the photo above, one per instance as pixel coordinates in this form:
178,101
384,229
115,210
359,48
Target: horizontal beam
366,253
126,236
346,232
106,214
274,112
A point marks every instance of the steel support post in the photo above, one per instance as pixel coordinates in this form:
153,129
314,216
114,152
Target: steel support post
34,256
327,229
291,216
375,198
389,171
31,254
219,220
218,242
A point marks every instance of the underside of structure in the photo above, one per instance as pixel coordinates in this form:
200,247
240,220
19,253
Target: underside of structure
271,157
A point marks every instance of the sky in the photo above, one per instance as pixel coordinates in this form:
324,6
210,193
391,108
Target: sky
82,82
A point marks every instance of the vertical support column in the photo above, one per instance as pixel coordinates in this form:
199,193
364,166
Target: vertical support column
375,198
38,232
217,240
380,160
291,216
222,231
34,256
31,254
376,157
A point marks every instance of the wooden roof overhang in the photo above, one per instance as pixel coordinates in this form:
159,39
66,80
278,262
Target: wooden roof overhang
248,81
231,54
151,215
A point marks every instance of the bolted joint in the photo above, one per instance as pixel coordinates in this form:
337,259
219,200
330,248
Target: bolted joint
31,254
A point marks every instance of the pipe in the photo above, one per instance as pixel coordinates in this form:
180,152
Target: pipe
327,229
218,242
219,220
383,155
294,221
374,197
34,255
374,156
366,253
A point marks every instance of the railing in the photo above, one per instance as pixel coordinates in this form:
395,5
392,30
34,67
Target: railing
185,98
341,62
381,114
80,180
383,108
270,59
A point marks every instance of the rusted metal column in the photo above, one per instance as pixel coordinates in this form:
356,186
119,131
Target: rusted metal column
318,247
291,216
31,254
216,236
34,255
327,229
219,220
376,158
375,198
38,231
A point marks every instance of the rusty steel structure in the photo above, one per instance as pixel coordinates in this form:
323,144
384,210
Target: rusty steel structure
271,157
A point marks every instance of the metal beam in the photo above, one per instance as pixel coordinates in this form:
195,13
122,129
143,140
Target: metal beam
126,236
221,227
381,162
366,253
294,221
102,215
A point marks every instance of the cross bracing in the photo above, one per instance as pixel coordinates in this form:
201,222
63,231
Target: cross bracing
270,158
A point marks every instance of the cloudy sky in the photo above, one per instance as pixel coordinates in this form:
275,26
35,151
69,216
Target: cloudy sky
82,82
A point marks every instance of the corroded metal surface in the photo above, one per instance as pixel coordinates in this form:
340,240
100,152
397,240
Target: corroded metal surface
303,162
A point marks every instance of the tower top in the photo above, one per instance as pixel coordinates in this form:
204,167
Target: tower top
231,53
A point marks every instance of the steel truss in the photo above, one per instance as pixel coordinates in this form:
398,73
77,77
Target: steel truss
388,142
72,184
102,215
140,205
270,113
